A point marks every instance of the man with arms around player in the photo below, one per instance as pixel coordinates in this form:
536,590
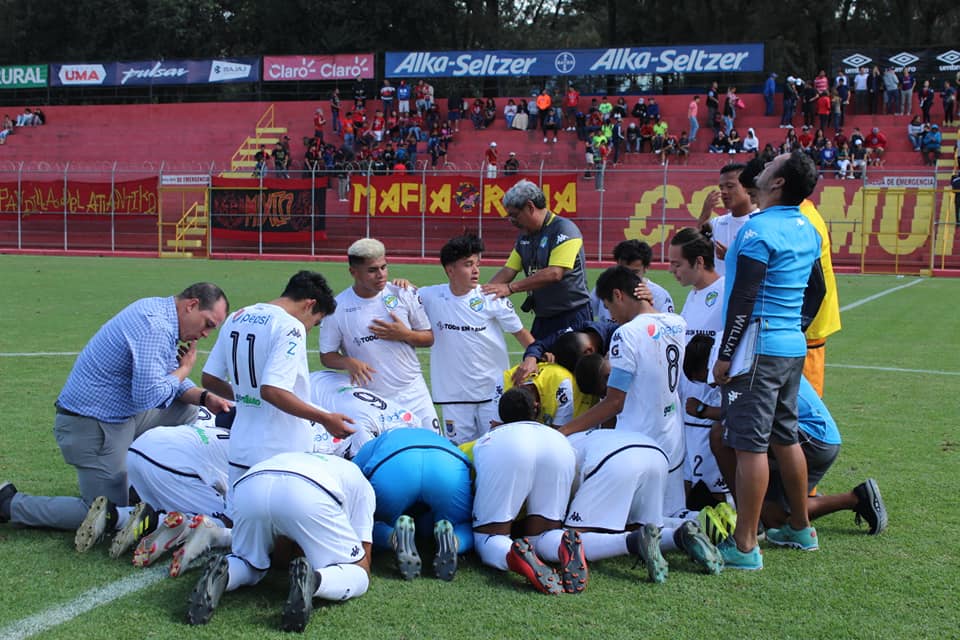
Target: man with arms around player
375,335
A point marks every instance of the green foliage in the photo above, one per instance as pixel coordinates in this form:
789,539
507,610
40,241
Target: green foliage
898,426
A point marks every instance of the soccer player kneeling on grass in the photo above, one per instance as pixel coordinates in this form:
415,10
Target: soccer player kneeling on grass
324,505
820,442
527,463
420,478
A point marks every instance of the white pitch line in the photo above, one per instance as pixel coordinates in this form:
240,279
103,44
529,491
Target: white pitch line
894,369
85,602
854,305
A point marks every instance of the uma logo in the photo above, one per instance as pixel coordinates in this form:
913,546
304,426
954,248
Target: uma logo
857,60
82,74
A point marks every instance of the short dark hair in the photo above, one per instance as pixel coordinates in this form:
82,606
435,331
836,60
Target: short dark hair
799,175
460,247
310,284
733,167
207,293
696,357
632,250
696,243
517,404
750,172
618,277
587,373
568,349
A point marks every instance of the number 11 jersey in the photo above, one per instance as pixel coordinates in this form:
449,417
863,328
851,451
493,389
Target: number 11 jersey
263,345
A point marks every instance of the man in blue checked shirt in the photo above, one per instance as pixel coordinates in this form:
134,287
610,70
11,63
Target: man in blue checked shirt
131,376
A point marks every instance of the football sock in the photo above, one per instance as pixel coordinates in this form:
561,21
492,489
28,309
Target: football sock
667,539
123,514
492,549
597,546
342,582
547,545
241,573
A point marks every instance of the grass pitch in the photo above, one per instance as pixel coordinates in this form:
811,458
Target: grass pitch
891,380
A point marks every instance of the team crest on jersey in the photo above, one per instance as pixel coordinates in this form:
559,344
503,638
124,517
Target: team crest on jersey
711,298
543,242
653,331
390,301
476,304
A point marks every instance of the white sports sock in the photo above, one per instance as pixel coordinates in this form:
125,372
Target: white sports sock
597,546
667,543
123,514
342,582
547,545
241,574
492,549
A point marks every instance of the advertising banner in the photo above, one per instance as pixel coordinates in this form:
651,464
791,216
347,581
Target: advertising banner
24,76
156,72
280,211
129,196
580,62
318,67
452,195
928,63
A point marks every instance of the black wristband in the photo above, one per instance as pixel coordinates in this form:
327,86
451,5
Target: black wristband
203,398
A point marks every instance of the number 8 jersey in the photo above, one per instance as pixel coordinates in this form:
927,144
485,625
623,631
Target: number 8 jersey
646,360
262,345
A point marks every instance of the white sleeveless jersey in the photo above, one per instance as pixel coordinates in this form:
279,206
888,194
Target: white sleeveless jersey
263,345
469,353
348,331
650,349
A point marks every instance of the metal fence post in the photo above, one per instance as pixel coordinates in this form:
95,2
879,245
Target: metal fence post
113,207
66,204
20,206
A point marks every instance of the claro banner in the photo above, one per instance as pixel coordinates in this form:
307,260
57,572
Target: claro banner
695,58
155,72
345,66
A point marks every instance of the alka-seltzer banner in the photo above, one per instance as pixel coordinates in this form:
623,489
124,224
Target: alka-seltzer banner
942,63
240,207
23,76
697,58
155,72
49,196
346,66
453,195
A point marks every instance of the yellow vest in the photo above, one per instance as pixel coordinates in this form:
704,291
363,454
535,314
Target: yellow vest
827,320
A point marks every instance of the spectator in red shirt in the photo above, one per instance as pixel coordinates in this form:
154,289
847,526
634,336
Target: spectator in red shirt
318,123
823,108
570,103
876,142
490,156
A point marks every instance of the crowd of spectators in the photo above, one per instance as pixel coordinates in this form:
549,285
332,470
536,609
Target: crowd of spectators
29,118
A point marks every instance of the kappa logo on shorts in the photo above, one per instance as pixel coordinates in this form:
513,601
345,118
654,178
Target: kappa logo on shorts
355,551
732,396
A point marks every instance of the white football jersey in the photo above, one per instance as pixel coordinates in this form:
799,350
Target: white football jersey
662,300
348,331
650,349
703,311
188,448
469,353
372,413
263,345
725,229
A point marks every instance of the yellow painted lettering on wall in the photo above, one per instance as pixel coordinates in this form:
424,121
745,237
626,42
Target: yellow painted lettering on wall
646,223
846,220
493,200
563,201
440,200
890,236
410,195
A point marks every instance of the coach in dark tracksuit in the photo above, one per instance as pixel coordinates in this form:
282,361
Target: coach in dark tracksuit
550,254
